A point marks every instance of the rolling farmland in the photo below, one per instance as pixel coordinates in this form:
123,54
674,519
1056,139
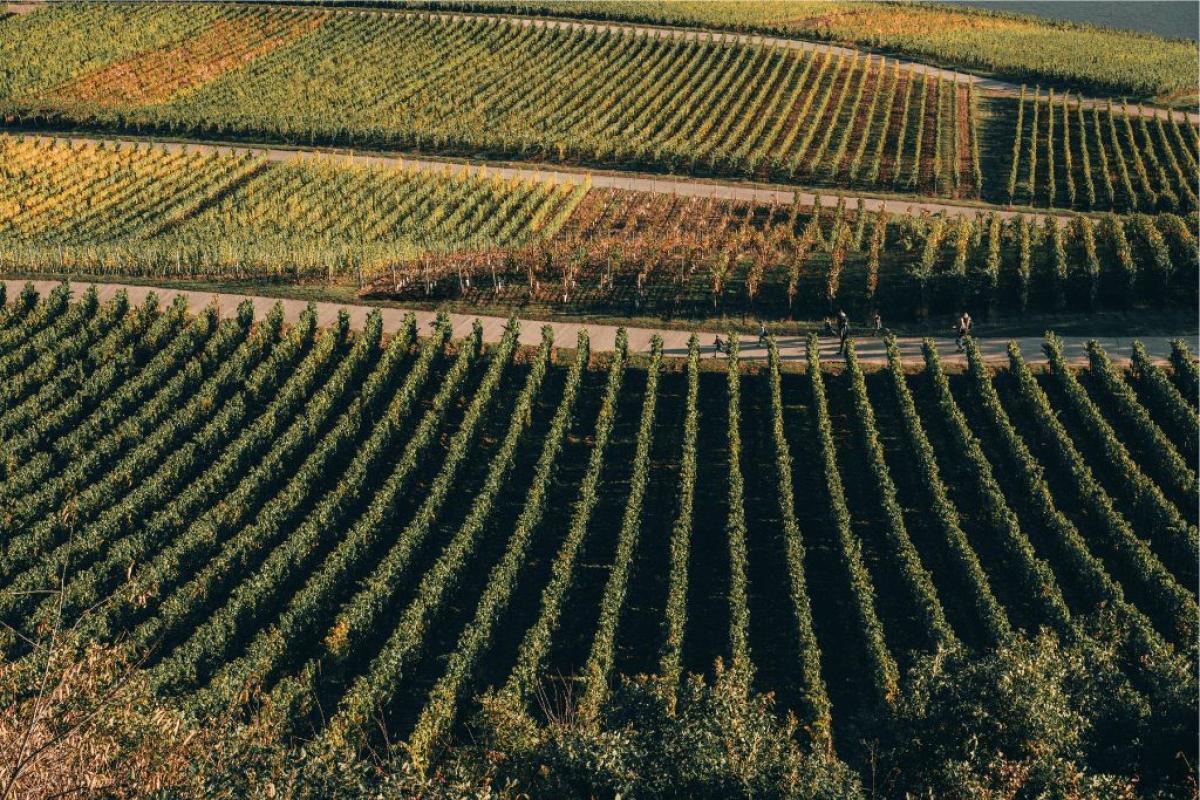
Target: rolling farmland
238,590
101,209
589,96
488,85
1015,46
856,455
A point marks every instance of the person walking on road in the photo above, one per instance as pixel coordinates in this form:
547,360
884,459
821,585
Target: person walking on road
877,324
961,329
843,325
718,346
762,334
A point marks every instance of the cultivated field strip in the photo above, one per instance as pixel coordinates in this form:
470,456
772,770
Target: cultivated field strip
247,501
157,75
174,212
1099,158
984,41
104,207
501,87
687,255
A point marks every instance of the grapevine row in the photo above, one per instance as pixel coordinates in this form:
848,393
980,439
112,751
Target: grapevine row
597,671
987,608
437,715
1173,538
885,674
1173,601
1065,539
816,716
1032,575
917,578
526,673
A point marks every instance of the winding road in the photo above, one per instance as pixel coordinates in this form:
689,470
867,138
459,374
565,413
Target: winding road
603,337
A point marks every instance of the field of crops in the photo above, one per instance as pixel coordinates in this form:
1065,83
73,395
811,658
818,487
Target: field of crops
150,211
146,211
503,88
270,549
1011,46
693,257
342,525
1063,155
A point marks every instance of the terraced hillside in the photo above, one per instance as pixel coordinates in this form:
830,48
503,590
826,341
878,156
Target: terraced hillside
616,97
502,87
1015,46
147,210
418,234
343,526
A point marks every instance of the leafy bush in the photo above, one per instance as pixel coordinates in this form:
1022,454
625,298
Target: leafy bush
1030,719
718,743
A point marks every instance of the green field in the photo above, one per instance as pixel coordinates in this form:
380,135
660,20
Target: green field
255,546
1012,46
817,529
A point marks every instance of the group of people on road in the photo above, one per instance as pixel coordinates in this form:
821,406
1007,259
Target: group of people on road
839,326
834,326
719,345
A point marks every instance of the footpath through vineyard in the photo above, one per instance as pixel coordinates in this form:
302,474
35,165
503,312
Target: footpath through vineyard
674,342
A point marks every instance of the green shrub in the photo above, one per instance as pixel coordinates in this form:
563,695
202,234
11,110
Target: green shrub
718,743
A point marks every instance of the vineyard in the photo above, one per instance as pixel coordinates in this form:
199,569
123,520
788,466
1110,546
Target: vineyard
112,209
186,474
696,257
502,88
341,520
1063,155
1014,46
589,96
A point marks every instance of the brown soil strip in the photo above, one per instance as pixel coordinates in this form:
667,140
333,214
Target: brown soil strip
887,164
966,167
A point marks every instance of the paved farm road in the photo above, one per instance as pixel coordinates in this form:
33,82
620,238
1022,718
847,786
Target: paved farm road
602,337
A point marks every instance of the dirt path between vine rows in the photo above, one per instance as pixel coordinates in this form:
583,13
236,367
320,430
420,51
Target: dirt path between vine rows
603,337
985,84
683,187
